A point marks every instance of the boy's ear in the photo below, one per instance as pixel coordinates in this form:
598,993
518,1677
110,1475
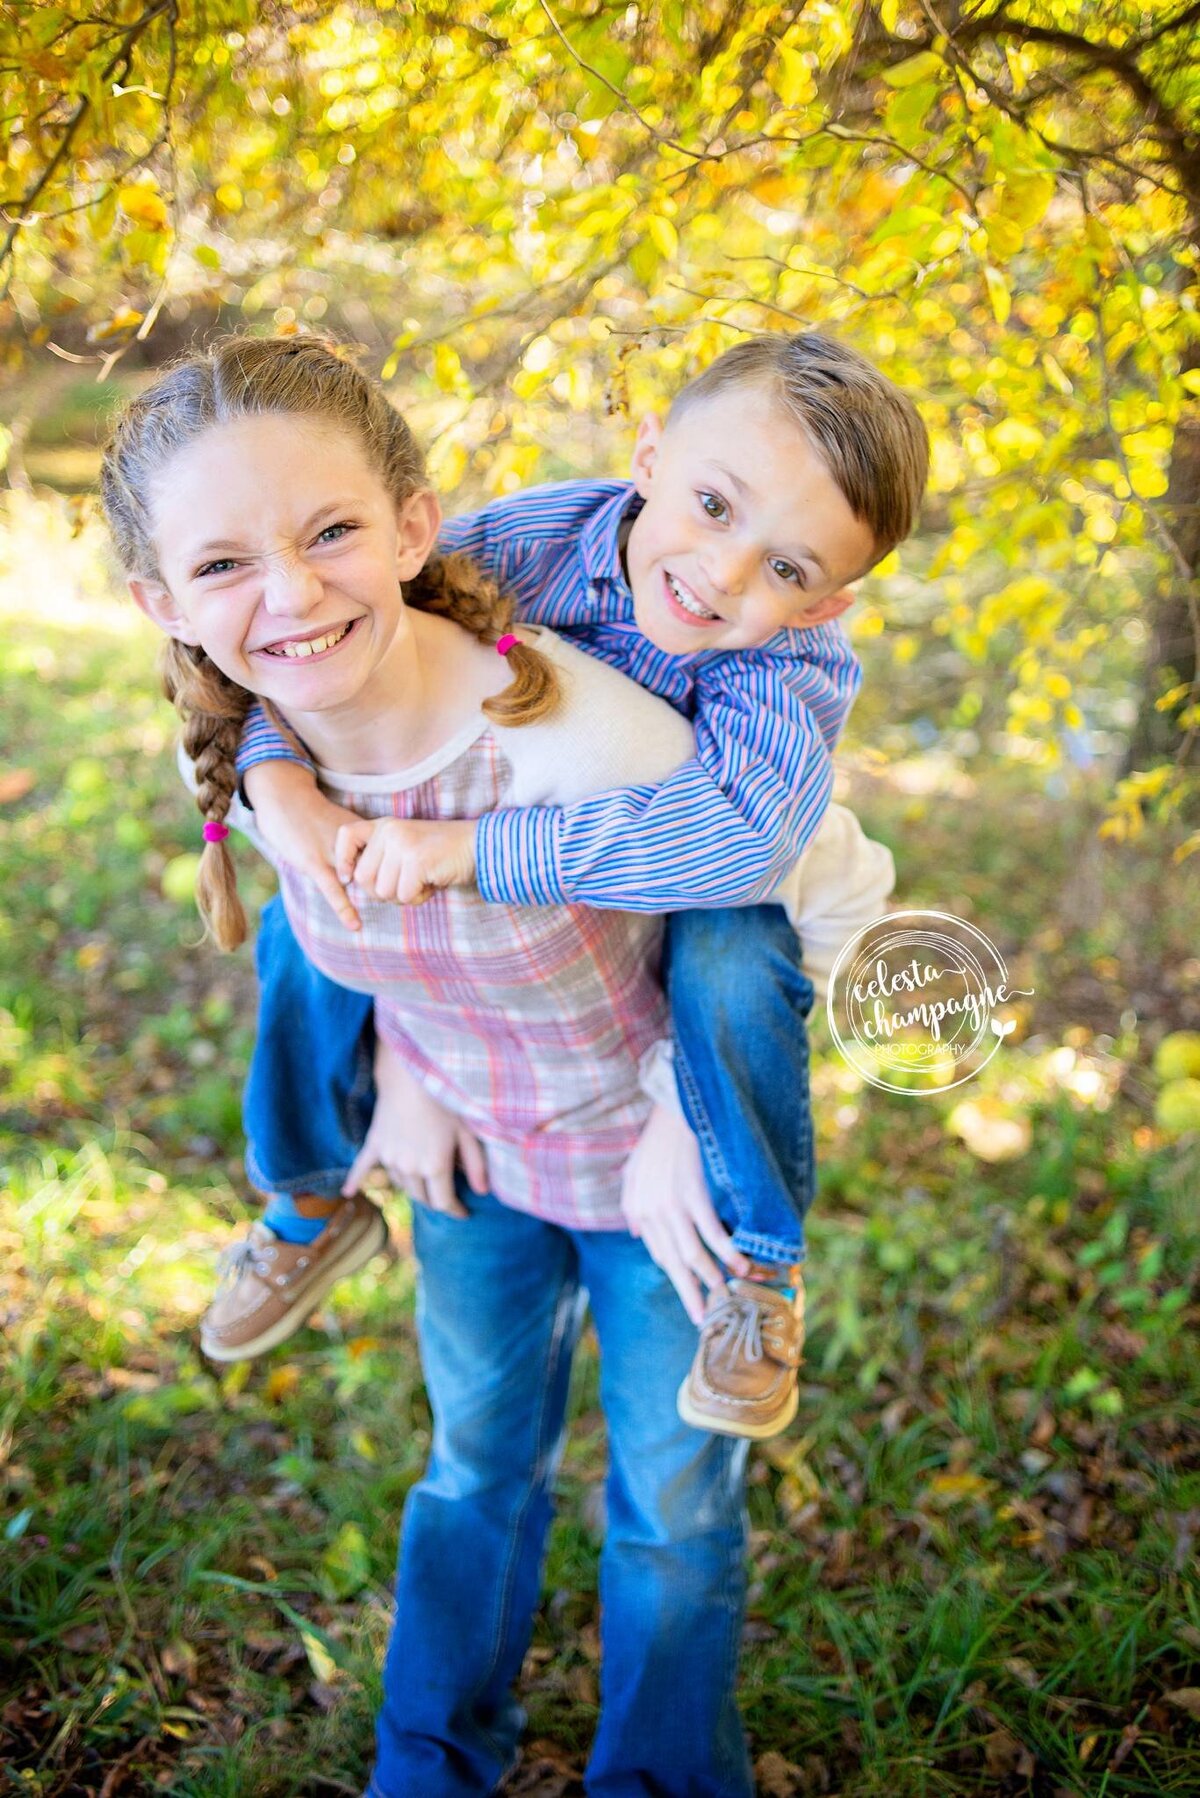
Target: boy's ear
418,522
832,606
645,452
156,602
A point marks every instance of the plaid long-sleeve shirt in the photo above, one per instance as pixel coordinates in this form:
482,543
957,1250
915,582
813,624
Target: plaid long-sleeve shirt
527,1022
724,827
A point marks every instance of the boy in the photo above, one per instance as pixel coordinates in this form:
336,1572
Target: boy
783,473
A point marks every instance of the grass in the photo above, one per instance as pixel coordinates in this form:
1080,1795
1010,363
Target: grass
972,1559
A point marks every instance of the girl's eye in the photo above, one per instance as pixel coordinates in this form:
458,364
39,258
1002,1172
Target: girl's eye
221,567
327,536
713,505
785,571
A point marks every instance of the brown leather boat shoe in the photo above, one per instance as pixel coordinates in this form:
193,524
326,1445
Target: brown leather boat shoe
743,1381
270,1287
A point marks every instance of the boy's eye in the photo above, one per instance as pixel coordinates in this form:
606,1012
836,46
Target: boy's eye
327,535
786,571
221,567
713,505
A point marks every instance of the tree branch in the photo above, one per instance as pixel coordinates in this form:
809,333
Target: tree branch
1181,145
120,60
1167,539
1188,16
660,137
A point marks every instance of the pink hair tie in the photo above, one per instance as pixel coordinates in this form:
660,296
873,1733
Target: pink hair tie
214,832
505,644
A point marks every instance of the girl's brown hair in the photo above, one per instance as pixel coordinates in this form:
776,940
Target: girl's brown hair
311,377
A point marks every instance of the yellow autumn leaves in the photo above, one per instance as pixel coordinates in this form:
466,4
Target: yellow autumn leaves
142,203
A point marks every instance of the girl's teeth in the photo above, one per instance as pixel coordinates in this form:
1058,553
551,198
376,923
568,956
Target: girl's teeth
311,647
689,605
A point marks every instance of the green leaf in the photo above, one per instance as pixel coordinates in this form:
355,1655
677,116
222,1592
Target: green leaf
346,1563
1025,197
906,111
663,235
1004,237
914,69
998,293
909,220
316,1646
645,259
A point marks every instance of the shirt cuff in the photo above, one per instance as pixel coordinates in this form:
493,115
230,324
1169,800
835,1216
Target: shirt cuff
275,751
517,859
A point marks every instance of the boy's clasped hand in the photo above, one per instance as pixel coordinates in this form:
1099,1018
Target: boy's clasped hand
402,859
405,859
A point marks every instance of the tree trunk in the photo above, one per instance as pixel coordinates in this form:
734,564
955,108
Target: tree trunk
1171,653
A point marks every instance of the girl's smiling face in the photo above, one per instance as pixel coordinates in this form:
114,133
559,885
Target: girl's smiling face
281,553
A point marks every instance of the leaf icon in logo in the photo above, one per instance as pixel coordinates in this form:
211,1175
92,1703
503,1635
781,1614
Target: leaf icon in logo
1004,1027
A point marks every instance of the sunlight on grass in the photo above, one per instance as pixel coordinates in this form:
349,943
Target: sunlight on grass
55,568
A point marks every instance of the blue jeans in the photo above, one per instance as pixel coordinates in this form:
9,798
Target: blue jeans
500,1301
310,1091
739,1001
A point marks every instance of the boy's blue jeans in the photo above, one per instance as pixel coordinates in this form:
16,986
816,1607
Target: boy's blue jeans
739,1003
310,1091
500,1303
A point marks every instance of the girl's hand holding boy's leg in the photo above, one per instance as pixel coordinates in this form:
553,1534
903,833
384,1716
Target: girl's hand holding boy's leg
665,1201
416,1141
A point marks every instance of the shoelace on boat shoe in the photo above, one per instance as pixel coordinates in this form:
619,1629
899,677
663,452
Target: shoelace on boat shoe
233,1261
738,1323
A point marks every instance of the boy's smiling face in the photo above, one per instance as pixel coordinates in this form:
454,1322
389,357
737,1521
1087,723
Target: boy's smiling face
744,531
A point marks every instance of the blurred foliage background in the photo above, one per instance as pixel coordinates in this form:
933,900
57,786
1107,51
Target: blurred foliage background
974,1569
535,223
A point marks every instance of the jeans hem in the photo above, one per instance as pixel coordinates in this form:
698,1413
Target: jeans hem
768,1248
326,1183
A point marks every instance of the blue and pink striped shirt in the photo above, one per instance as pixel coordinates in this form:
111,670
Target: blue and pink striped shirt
723,828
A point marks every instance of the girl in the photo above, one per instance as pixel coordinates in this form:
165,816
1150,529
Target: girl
269,506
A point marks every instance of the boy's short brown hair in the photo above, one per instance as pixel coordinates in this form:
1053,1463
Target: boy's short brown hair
866,429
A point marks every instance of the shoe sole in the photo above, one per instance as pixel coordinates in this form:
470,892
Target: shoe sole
720,1426
355,1255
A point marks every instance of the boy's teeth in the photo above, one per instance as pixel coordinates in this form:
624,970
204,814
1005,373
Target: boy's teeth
312,646
687,602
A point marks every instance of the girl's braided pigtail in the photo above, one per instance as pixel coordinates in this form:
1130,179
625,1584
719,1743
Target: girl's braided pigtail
454,587
213,710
